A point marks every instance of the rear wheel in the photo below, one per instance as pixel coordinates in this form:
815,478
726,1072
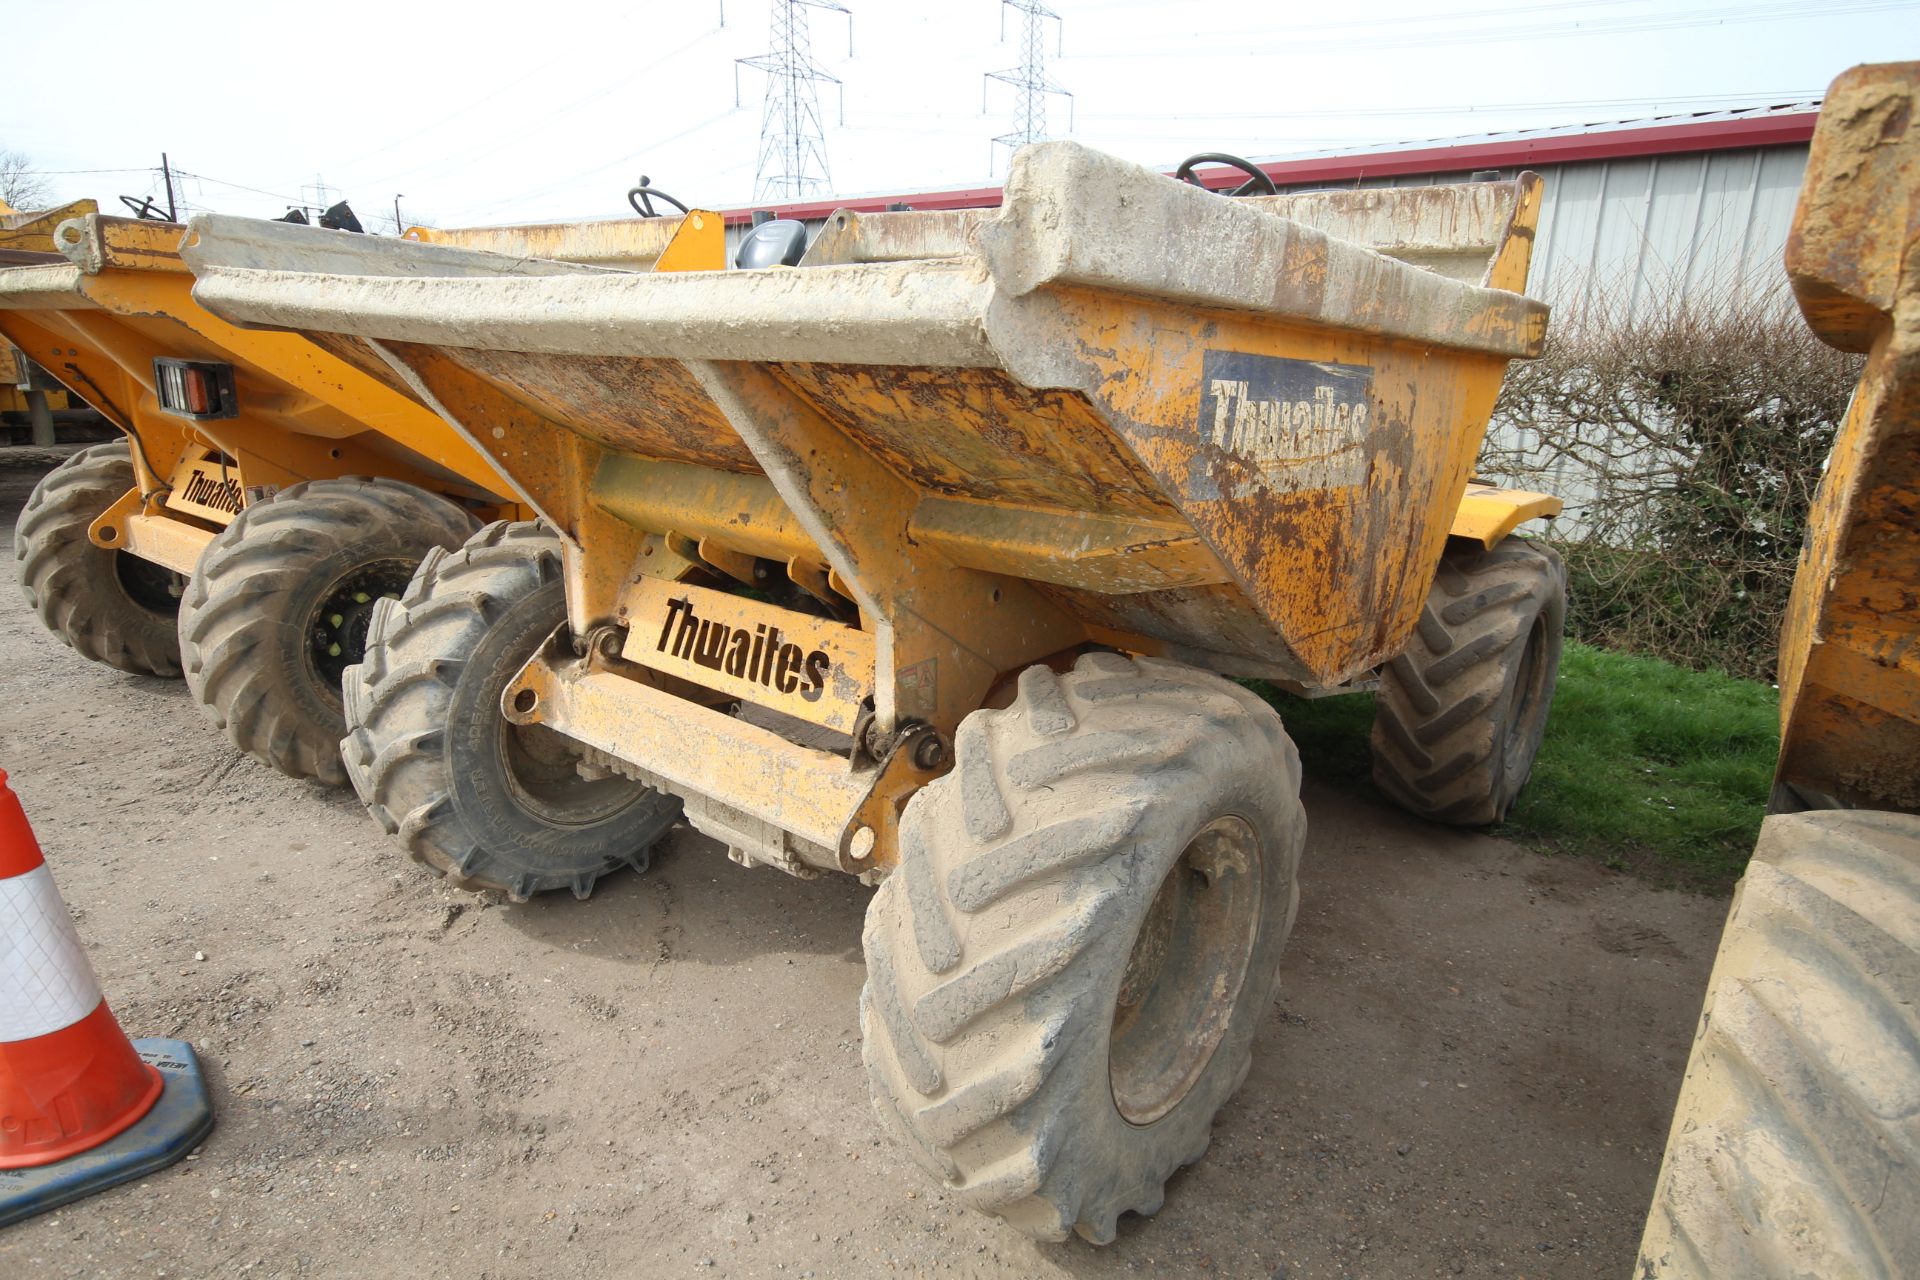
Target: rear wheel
1066,971
280,604
1797,1133
1462,710
110,606
488,804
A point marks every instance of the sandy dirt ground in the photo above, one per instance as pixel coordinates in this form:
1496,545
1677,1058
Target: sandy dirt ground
1468,1072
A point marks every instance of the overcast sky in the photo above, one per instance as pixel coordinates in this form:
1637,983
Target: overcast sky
503,112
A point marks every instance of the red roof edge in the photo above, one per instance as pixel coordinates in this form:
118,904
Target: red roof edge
1521,153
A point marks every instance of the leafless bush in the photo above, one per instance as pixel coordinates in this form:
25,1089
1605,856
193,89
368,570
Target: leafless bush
1688,443
20,186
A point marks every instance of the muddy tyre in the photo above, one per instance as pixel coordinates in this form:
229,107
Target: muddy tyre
1066,972
1461,711
487,804
280,603
110,606
1797,1134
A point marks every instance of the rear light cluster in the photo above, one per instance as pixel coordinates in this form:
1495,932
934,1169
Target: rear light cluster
196,388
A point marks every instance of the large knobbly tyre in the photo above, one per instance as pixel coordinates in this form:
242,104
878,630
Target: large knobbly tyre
1461,711
1066,971
486,803
1796,1141
279,605
110,606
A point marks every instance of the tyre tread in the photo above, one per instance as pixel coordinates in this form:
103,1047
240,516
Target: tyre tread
1796,1135
1439,733
230,630
965,1042
67,579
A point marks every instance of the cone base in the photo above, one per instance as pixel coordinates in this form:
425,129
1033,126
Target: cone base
175,1125
70,1090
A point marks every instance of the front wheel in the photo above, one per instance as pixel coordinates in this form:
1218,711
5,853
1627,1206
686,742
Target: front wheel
486,803
1067,969
280,603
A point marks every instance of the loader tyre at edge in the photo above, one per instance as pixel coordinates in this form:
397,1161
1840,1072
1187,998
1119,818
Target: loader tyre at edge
485,803
280,602
110,606
1462,709
1066,970
1797,1135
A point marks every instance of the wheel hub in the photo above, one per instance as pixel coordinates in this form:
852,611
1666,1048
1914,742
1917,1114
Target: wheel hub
1185,971
338,636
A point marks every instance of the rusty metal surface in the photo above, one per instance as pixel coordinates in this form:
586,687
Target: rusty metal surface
647,408
32,231
1323,466
266,246
692,749
950,632
1092,552
97,322
1850,649
1076,218
979,433
1117,410
1329,529
1479,232
632,243
894,237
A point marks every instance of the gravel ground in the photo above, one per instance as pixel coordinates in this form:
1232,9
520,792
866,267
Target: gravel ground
1468,1072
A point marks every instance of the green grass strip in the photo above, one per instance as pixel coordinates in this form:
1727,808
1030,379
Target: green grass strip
1646,766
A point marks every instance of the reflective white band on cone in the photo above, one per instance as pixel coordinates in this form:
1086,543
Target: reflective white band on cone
46,983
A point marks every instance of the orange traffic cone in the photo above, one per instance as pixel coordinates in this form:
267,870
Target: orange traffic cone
71,1082
69,1078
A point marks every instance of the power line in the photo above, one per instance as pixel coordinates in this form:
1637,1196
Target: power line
145,168
1730,101
539,123
568,51
523,196
1433,16
1029,78
238,186
793,143
1623,25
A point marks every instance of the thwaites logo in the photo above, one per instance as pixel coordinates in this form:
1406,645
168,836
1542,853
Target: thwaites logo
207,489
761,655
1303,423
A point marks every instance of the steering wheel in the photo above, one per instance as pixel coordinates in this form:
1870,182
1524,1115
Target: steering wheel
144,209
642,197
1257,183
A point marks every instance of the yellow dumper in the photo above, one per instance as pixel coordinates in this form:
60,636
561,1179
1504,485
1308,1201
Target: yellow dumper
267,491
1795,1148
928,559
